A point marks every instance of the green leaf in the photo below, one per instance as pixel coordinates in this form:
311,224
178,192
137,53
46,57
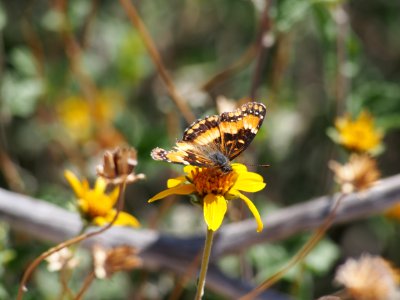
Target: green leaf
322,257
333,134
23,61
291,12
53,20
20,96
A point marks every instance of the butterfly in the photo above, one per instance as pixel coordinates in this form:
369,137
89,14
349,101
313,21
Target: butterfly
216,140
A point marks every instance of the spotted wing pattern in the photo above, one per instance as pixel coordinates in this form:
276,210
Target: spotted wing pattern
207,140
198,140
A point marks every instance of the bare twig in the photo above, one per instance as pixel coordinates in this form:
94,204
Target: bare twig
183,280
74,54
87,25
86,284
239,64
341,85
155,56
10,172
265,25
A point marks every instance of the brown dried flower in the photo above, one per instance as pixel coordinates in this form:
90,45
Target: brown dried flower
119,165
369,278
109,261
359,173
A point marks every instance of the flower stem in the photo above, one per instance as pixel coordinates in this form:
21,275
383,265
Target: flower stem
74,240
86,284
204,265
304,251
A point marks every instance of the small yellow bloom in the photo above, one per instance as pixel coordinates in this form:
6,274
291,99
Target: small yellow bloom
95,205
215,188
80,117
358,135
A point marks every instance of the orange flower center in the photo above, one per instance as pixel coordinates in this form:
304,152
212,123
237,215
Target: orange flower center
212,181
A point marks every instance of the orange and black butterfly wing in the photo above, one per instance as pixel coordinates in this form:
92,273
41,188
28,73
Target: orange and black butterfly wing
216,140
199,140
238,128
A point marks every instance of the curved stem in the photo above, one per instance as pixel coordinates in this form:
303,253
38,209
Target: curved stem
69,242
65,272
183,280
242,62
204,265
315,238
64,276
86,284
265,25
155,56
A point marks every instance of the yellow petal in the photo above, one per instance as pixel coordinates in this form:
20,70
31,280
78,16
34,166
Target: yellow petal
249,182
123,219
214,210
100,221
76,185
83,205
176,181
114,196
239,167
253,210
185,189
189,169
100,186
85,185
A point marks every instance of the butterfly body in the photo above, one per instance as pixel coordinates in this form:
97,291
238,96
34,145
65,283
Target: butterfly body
216,140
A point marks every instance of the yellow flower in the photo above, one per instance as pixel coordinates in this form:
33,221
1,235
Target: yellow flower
360,134
95,205
80,117
215,188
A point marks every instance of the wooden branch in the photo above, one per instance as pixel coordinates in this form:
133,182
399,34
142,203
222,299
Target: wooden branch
49,222
309,215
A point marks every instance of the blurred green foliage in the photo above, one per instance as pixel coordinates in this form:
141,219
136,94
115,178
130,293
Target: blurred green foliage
300,76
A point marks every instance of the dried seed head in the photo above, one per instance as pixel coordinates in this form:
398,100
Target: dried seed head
119,166
109,261
359,173
369,278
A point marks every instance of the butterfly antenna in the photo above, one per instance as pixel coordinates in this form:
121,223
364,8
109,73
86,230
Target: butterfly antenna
262,165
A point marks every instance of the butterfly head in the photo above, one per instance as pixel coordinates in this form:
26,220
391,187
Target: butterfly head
221,161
